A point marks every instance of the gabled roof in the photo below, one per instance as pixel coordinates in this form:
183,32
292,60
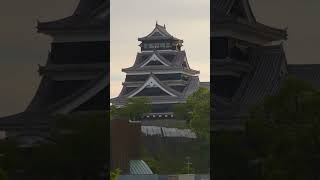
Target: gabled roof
155,57
223,17
88,6
224,8
92,15
159,33
192,86
153,81
175,63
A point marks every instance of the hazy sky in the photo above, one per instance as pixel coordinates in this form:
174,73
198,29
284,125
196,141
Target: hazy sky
186,19
21,48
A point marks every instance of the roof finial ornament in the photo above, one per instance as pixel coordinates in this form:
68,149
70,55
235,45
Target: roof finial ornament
164,25
156,22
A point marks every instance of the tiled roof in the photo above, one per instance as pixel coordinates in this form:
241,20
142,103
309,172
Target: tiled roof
88,6
192,86
178,94
176,61
221,16
90,14
145,57
265,80
139,167
163,31
221,8
90,88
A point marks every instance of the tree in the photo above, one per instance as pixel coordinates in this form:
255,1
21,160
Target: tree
114,174
3,175
284,133
197,112
79,149
134,109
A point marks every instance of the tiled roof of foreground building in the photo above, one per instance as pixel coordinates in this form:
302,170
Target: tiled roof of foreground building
89,15
269,63
247,68
75,77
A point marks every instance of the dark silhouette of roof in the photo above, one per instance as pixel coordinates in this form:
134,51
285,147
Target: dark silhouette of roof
89,15
222,16
264,80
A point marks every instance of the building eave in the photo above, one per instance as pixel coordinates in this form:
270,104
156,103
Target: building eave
161,70
258,29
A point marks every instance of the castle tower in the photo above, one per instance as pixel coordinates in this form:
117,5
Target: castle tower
248,60
76,75
160,72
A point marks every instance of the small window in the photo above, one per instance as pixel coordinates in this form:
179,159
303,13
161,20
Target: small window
145,46
151,46
168,45
156,45
162,45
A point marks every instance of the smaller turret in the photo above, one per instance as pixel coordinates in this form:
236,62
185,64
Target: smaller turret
160,39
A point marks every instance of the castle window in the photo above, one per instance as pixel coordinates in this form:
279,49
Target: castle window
162,45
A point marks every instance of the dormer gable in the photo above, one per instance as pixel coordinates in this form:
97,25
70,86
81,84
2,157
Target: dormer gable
155,58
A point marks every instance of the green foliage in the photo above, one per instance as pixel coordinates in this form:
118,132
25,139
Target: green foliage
134,109
284,133
78,149
172,160
231,157
3,175
199,104
281,141
114,174
10,156
181,112
197,112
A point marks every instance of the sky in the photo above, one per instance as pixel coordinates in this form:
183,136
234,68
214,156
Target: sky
22,48
185,19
